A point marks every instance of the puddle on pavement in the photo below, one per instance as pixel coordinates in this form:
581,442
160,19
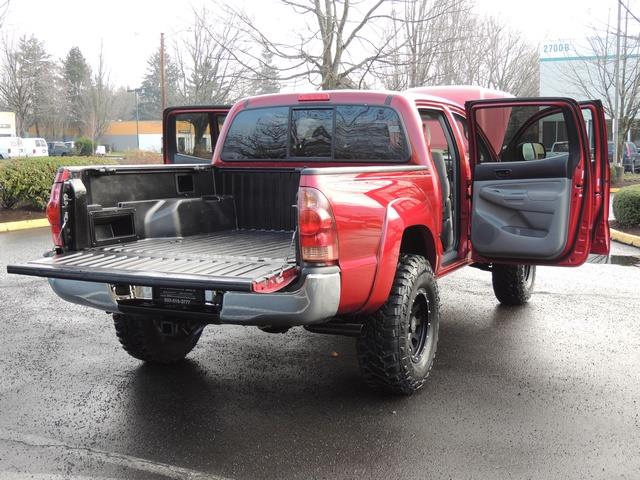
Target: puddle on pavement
625,260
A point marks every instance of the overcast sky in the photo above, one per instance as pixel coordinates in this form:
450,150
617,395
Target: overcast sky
130,29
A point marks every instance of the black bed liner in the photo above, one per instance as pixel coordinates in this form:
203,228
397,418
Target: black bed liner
226,260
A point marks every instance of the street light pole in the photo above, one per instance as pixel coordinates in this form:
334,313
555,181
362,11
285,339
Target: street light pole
136,91
615,126
163,86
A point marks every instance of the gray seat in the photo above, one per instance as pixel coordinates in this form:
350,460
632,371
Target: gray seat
446,236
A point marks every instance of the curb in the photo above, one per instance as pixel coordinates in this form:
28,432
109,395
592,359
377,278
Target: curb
23,225
626,238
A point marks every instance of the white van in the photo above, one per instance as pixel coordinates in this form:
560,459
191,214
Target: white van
35,147
11,147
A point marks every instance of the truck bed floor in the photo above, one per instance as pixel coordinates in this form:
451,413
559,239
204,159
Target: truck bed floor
230,259
254,245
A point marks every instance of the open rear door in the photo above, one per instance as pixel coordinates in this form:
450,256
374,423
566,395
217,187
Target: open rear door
533,191
593,114
190,133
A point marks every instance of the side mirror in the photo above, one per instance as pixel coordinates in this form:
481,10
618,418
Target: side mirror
531,151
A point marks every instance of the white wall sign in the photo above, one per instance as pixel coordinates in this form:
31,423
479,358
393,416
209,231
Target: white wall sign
553,49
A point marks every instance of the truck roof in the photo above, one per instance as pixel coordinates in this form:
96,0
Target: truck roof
455,95
458,94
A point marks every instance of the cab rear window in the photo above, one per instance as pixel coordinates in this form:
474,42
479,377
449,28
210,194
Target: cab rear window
325,133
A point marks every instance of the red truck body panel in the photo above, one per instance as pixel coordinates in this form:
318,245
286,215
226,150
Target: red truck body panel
373,210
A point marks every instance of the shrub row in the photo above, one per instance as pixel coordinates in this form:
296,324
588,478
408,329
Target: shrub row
626,206
26,182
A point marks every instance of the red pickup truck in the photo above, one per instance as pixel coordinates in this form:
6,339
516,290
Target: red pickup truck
337,211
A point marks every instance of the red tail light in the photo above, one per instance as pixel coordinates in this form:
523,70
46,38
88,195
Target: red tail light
54,207
317,227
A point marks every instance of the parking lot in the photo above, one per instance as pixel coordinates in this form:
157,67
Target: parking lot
550,390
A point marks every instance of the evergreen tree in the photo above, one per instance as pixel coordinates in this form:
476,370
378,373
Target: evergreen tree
150,106
77,82
266,80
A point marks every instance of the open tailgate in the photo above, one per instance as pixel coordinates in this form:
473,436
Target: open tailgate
221,261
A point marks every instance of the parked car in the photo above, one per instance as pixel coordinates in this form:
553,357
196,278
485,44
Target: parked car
560,147
630,156
11,147
35,147
334,211
71,144
59,149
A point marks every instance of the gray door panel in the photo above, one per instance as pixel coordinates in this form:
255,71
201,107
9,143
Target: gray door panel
525,218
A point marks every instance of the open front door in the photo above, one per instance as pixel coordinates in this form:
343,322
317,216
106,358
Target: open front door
190,133
532,199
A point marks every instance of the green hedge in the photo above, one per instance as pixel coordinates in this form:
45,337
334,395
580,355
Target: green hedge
626,206
26,182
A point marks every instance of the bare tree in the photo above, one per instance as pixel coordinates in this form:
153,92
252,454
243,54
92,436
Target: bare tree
444,42
207,72
4,10
342,41
26,80
98,103
502,59
15,85
593,75
428,36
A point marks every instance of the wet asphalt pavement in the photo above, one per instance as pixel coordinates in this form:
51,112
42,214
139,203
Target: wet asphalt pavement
550,390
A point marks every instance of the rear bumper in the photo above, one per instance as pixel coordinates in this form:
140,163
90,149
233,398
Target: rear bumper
315,300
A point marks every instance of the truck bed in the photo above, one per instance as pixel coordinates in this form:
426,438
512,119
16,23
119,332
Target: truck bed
229,260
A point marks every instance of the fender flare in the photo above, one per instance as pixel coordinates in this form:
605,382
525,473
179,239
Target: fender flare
387,259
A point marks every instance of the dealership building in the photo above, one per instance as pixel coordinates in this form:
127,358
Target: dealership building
121,136
564,65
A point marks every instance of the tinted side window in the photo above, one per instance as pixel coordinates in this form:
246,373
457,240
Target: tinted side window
524,133
258,134
220,119
311,132
439,140
369,133
193,135
464,127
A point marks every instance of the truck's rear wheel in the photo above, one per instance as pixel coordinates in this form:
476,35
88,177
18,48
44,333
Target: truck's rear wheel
513,284
397,345
156,340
